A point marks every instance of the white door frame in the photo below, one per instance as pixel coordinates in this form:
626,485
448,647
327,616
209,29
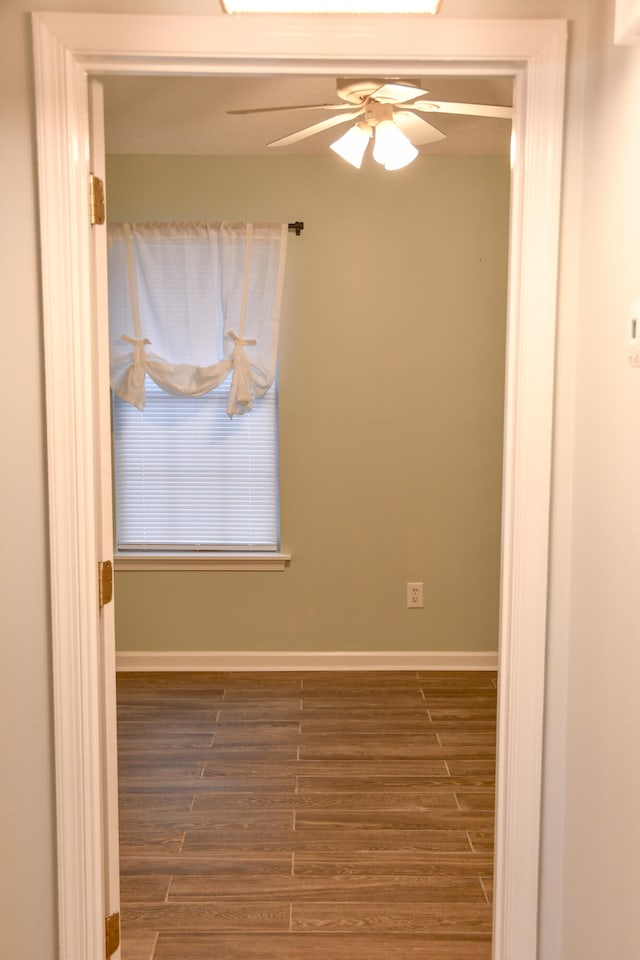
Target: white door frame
68,48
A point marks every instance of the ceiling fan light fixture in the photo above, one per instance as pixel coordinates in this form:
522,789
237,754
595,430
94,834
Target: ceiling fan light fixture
331,6
351,146
392,148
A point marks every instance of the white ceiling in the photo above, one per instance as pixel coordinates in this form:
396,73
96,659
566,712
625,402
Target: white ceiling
187,115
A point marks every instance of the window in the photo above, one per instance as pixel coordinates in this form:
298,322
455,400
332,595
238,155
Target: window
195,458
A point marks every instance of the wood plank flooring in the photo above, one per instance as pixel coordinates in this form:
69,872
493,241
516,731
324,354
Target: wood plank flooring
306,816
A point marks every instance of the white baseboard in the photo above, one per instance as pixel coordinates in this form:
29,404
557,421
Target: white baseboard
221,661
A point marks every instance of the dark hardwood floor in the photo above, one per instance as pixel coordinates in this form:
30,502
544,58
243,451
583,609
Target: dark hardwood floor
306,816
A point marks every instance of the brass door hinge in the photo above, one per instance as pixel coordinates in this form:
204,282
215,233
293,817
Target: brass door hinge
112,933
96,200
105,582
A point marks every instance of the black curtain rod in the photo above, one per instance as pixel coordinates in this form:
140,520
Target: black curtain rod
298,226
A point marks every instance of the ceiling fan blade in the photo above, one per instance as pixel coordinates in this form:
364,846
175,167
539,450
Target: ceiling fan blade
301,106
393,92
465,109
315,128
417,129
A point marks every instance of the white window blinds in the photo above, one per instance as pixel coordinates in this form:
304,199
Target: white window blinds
188,478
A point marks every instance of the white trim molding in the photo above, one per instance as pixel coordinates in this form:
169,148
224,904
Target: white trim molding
63,160
222,661
129,562
68,49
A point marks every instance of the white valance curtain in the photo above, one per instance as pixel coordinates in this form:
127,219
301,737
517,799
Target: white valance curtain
190,304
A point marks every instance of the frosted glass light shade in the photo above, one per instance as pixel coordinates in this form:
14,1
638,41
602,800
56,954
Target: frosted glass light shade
352,145
392,149
330,6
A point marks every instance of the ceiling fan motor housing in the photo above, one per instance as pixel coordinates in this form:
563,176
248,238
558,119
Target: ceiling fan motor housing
375,113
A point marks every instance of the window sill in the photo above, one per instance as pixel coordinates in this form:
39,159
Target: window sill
195,561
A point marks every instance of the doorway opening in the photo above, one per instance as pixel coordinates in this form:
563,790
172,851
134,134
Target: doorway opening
438,237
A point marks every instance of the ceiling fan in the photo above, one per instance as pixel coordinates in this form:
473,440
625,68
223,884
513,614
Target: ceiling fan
390,112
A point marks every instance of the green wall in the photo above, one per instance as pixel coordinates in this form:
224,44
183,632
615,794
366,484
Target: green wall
391,405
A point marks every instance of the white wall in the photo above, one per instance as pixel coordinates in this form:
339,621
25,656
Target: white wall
602,881
27,875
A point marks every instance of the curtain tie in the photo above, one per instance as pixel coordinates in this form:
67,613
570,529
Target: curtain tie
138,363
241,393
139,355
239,341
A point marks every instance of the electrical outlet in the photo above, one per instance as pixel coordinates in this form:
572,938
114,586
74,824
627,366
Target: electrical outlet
415,596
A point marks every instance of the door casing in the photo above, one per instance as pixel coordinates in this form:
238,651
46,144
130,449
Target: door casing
68,49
